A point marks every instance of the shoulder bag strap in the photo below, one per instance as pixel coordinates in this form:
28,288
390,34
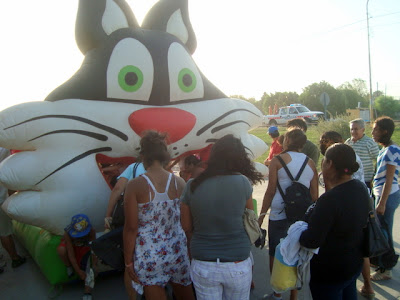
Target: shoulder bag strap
302,169
134,170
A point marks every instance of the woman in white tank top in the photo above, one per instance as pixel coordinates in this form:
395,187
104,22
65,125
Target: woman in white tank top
278,224
155,245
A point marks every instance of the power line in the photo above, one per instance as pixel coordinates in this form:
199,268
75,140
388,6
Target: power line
393,13
356,22
380,25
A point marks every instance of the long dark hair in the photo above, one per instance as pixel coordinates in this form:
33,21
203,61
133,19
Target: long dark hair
153,147
228,156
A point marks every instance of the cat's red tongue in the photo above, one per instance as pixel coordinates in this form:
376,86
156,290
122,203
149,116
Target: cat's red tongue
176,122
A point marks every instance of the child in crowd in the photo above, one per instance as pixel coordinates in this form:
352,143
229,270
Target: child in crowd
193,167
75,253
276,147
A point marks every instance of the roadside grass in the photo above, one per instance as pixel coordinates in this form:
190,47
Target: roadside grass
313,134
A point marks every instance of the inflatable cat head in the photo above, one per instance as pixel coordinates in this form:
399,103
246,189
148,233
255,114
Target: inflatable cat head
133,78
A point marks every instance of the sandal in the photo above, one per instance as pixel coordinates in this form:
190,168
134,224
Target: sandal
378,275
365,294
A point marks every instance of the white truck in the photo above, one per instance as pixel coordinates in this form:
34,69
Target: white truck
293,111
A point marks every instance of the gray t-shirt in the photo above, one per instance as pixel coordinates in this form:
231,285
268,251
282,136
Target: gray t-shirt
217,206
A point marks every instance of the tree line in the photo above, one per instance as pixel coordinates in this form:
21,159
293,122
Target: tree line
346,96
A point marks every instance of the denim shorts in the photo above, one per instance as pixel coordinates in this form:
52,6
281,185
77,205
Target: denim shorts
277,230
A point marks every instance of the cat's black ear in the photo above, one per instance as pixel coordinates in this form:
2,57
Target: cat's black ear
172,16
97,19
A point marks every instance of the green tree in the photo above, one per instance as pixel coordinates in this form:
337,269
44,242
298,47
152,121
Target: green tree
351,98
258,104
358,85
279,98
376,94
311,98
387,106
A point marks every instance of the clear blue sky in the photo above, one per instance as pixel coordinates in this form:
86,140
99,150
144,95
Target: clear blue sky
244,47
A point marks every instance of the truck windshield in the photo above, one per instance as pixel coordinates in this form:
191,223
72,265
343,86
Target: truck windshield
302,109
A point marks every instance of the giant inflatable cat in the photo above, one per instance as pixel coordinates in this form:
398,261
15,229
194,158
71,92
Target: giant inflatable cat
133,78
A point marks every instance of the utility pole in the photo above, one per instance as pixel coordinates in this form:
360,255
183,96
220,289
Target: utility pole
371,112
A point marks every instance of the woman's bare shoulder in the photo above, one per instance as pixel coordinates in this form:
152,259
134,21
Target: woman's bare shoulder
137,183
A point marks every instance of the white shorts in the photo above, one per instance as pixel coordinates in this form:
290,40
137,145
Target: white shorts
221,280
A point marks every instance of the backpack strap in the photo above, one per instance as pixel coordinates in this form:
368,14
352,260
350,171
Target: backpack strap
280,189
289,174
302,169
285,167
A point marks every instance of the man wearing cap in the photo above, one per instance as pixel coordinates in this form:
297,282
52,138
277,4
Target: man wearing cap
74,251
275,148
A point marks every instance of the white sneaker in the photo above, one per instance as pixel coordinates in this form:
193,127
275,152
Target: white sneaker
378,275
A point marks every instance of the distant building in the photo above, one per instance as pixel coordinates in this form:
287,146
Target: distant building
359,112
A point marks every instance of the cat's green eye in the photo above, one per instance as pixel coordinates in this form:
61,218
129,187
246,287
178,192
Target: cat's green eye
130,78
187,80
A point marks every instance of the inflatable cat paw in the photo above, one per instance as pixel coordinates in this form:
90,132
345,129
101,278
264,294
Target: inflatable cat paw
133,78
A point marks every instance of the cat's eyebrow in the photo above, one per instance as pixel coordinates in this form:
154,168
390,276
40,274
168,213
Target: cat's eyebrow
212,123
111,130
215,140
97,136
75,159
218,128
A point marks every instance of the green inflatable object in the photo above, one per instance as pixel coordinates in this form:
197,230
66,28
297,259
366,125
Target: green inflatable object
42,246
255,206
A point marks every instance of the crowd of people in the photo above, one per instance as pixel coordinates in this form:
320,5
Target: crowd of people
187,231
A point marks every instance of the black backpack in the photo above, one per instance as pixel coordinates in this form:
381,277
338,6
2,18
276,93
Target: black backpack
297,197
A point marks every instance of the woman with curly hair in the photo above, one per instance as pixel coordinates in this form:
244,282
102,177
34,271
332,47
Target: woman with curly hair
155,244
212,212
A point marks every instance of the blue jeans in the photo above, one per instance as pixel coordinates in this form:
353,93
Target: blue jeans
392,203
345,290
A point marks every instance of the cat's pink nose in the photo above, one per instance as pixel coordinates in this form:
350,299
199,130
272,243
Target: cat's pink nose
176,122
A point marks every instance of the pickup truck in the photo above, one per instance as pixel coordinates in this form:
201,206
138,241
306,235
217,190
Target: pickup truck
290,112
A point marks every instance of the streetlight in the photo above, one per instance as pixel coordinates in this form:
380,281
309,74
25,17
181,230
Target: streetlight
371,112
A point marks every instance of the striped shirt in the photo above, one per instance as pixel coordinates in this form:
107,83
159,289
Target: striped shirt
387,156
367,150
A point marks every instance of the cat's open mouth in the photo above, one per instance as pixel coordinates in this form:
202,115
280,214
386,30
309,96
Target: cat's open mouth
112,167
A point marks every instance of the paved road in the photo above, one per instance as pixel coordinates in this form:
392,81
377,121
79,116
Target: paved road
28,282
